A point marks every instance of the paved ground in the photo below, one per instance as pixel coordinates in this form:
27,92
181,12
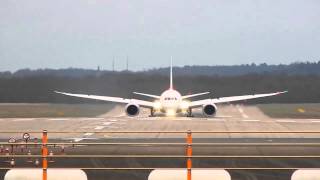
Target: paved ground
229,118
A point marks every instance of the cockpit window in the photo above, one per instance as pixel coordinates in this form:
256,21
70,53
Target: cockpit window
168,98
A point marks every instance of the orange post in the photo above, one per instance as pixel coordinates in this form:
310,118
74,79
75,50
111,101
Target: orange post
189,154
44,154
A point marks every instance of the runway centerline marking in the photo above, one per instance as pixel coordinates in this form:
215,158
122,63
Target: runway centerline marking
316,121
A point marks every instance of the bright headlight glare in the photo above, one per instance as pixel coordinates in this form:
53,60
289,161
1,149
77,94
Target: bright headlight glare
171,112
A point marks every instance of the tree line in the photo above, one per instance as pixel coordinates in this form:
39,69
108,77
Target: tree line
298,68
39,88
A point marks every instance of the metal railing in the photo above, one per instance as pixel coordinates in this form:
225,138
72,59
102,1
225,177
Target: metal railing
188,153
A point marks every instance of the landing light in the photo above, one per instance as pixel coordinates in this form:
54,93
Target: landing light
171,112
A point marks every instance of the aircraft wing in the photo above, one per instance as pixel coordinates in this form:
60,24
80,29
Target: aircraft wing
111,99
148,95
231,99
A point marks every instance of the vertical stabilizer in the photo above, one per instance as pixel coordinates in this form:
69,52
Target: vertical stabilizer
171,83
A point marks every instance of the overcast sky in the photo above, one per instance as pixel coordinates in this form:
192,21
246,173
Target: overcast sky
88,33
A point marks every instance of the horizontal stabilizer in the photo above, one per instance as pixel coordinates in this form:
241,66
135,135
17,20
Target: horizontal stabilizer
148,95
193,95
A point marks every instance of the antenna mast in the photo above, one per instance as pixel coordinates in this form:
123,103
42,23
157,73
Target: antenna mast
127,63
113,64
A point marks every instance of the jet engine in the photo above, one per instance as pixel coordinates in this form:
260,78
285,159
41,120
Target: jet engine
132,109
209,109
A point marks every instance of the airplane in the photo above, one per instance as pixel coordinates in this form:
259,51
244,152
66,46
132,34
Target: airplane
171,101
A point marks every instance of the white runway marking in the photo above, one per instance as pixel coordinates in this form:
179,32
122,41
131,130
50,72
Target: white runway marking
99,127
113,120
243,114
95,118
77,139
215,119
286,121
88,134
316,121
58,119
108,123
121,115
250,120
80,139
75,119
23,119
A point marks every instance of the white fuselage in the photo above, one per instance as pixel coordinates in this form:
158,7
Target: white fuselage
170,102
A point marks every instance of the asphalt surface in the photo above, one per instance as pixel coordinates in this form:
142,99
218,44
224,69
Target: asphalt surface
229,118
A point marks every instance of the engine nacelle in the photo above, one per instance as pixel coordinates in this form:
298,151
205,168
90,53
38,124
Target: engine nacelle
132,109
209,109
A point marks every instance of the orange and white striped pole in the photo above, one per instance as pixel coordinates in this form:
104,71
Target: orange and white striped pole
44,154
189,154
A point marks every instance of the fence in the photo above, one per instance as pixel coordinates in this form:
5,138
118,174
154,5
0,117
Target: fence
188,144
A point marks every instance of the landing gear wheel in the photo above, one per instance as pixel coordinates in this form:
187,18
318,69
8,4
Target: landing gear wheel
189,113
151,113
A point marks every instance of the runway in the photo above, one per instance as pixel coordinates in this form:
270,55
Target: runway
229,118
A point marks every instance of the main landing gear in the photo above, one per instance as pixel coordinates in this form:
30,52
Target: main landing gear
189,113
152,111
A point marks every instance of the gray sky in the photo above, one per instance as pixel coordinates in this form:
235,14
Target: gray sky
88,33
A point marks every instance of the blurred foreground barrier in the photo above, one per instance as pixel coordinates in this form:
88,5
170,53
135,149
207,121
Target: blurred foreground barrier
53,174
181,174
8,150
313,174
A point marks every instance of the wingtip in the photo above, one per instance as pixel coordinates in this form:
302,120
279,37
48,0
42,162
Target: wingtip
282,92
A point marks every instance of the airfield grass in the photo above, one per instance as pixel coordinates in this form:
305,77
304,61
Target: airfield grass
52,110
295,111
